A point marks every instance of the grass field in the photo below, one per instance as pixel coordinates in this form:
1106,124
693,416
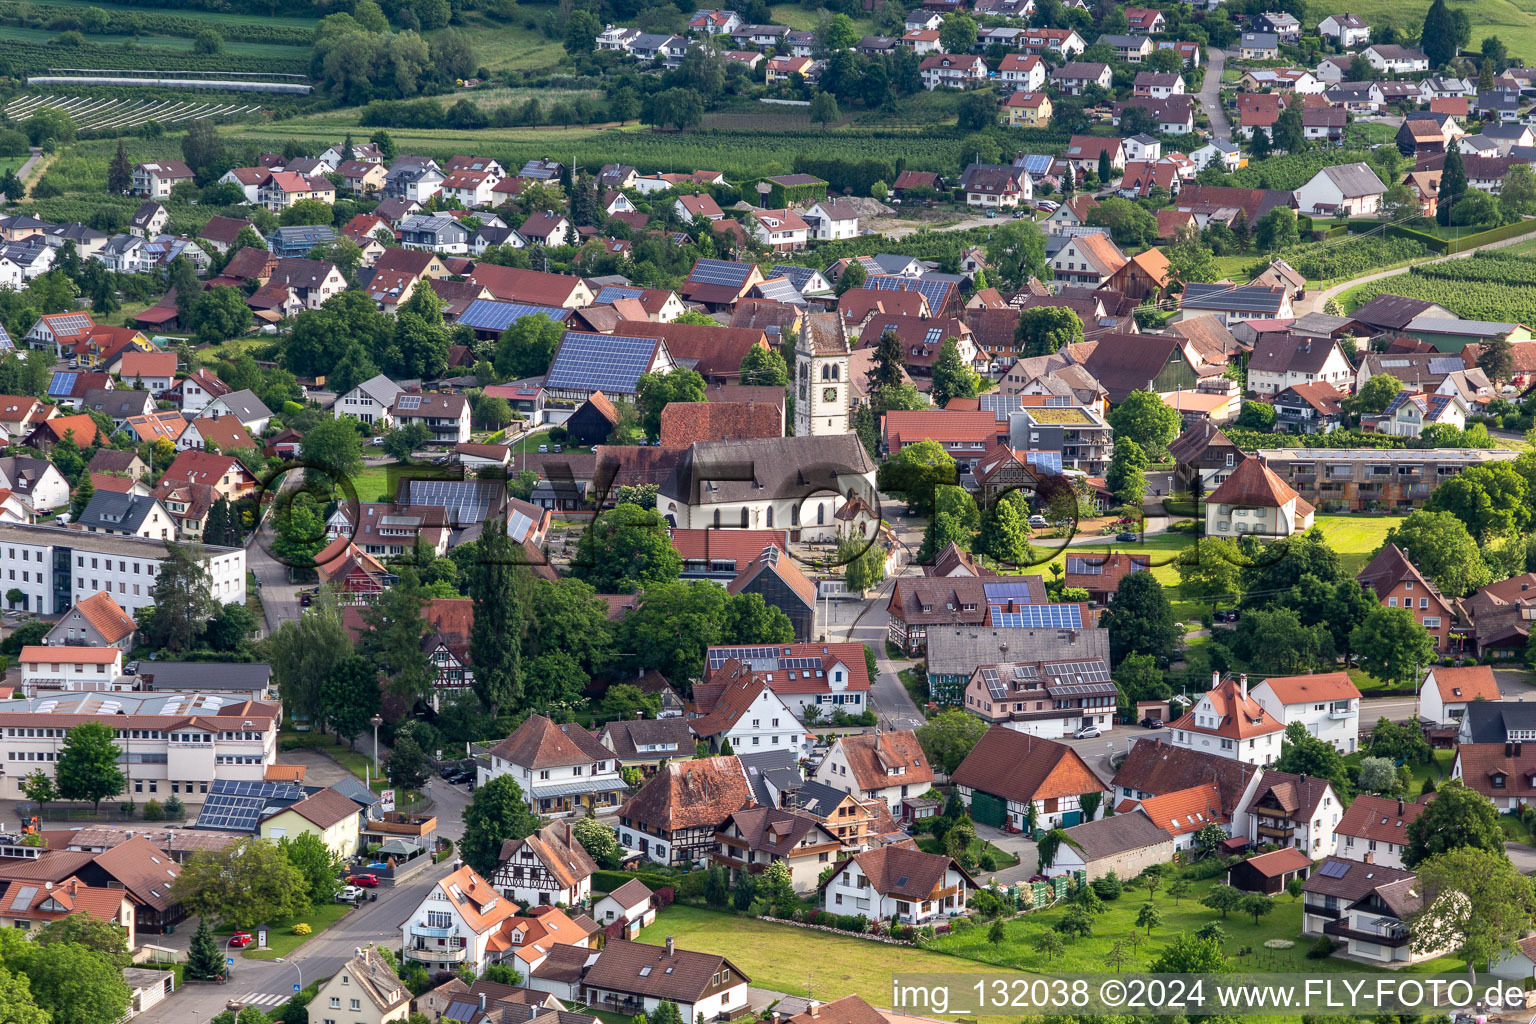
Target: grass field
797,960
1087,954
280,938
515,46
217,17
249,49
372,483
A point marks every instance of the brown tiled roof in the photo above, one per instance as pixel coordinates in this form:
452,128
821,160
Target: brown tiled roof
1280,862
475,900
946,597
530,286
904,872
1253,484
1315,687
734,690
1155,767
632,893
1352,880
1110,570
683,423
325,808
1481,761
772,560
102,904
540,743
718,350
682,977
225,431
564,964
106,616
1021,767
690,794
627,735
1297,795
146,871
557,848
1320,395
787,828
847,1010
871,755
1379,818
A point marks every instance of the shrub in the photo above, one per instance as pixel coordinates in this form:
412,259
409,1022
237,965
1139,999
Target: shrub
301,929
1321,949
1108,886
153,811
986,861
1209,867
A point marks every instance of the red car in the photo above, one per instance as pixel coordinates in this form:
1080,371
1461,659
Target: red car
240,940
366,881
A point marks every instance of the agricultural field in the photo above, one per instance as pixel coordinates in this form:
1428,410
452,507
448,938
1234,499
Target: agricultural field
517,46
92,113
1495,285
162,42
217,19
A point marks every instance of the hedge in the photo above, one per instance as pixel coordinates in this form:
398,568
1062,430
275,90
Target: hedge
607,881
1511,230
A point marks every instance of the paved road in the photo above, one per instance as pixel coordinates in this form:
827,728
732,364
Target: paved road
1315,301
1210,94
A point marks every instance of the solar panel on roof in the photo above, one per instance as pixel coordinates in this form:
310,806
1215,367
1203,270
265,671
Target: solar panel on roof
69,323
936,292
23,897
62,383
404,402
996,592
1334,869
491,315
610,363
1039,616
466,501
613,293
1049,462
1095,671
722,272
1084,567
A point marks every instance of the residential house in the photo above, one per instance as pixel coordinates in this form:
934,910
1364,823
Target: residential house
155,180
999,186
746,715
753,838
831,220
1132,49
1259,46
547,868
1280,361
281,189
647,744
1315,408
674,817
1234,304
455,922
1090,260
1253,499
1017,780
631,977
1366,907
1226,720
1327,704
1295,811
1396,60
330,815
953,71
1375,829
437,232
1447,690
897,883
630,903
1075,77
560,768
1409,414
888,766
1349,30
244,406
1022,72
445,416
1028,110
1351,188
366,985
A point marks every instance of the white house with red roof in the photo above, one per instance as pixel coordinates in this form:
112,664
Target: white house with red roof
885,766
281,189
827,676
748,715
1375,829
1182,813
457,922
1446,692
1229,722
1022,71
780,230
1326,703
1253,499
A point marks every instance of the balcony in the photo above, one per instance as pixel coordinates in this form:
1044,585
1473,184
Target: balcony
1276,831
437,956
1321,911
1338,714
1341,930
395,823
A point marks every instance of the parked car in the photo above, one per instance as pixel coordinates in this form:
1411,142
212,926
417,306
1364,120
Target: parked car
1128,536
1037,521
240,940
543,449
306,598
377,441
1151,723
366,881
1225,615
1088,732
350,894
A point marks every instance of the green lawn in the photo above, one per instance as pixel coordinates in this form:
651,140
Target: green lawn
1003,858
372,483
1117,923
797,960
1355,537
280,938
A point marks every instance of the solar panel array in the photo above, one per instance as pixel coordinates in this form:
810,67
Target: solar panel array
936,292
404,402
610,363
718,656
1334,869
798,276
1046,462
995,685
781,290
722,272
613,293
467,501
999,592
1039,616
236,805
70,323
491,315
995,403
23,897
62,383
1093,671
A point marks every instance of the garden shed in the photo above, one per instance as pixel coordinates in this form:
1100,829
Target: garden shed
1269,873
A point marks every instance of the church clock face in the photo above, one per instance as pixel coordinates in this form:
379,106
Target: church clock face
829,394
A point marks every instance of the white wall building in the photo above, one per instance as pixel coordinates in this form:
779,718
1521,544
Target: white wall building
1327,704
1227,721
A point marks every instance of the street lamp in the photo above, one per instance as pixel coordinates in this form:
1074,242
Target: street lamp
376,721
295,965
229,961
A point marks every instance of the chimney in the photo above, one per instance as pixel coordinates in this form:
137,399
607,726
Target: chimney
1517,749
669,945
813,1008
1242,685
1215,680
1399,807
482,1002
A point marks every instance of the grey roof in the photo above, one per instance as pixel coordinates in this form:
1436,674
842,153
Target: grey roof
1392,312
381,389
133,547
1117,834
1319,324
627,736
1260,41
118,512
711,472
817,798
1129,41
800,277
196,675
1443,325
117,403
957,650
244,405
1491,721
759,765
1354,180
1225,297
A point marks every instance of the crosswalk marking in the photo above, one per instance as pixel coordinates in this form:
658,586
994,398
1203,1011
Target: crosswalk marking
262,999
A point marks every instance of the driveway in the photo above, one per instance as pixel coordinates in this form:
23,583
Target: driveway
1016,843
1210,94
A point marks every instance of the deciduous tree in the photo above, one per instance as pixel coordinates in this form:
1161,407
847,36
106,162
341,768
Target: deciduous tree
242,884
1457,818
498,812
87,768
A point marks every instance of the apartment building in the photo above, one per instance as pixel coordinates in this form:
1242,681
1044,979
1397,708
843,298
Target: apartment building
172,743
1371,478
55,568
